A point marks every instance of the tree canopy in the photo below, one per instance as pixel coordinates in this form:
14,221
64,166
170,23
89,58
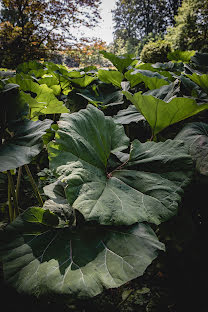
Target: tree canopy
30,28
137,19
191,26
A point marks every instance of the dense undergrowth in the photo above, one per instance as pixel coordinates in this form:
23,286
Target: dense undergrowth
103,178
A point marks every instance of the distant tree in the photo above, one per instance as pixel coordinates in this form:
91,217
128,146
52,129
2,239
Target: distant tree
135,19
191,26
30,28
88,54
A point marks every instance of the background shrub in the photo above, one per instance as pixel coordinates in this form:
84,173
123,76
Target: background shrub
156,51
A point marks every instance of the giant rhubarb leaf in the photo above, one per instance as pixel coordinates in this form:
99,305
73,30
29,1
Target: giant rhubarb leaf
44,102
145,188
161,114
39,259
195,136
25,143
121,62
152,80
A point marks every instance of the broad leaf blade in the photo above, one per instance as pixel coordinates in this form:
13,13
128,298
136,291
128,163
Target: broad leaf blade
161,114
81,157
201,80
195,136
121,62
77,264
128,115
110,76
152,80
24,145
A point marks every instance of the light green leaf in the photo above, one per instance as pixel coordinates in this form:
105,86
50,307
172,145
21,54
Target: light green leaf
121,62
110,76
44,102
200,80
39,215
74,264
152,80
83,82
161,114
28,66
181,56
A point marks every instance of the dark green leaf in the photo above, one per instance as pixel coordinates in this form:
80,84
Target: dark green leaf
125,194
195,136
24,145
126,116
77,263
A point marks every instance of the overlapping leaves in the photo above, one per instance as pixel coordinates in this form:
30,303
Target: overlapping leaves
161,114
42,260
126,193
195,136
24,145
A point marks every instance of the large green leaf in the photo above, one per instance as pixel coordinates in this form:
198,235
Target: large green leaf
44,101
201,80
75,264
161,114
166,92
195,136
200,62
110,76
12,104
123,194
181,56
25,144
121,62
83,81
28,66
128,115
102,95
152,80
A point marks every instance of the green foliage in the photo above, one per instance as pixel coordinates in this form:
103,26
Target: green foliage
32,29
121,62
161,114
18,150
75,264
109,189
181,56
196,132
156,51
135,20
152,80
190,30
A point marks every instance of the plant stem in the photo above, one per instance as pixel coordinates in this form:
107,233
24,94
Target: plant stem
12,189
34,186
10,203
18,183
109,175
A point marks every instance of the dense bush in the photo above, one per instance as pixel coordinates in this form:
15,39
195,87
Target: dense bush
156,51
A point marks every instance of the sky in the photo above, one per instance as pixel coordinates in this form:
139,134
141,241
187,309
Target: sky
105,29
